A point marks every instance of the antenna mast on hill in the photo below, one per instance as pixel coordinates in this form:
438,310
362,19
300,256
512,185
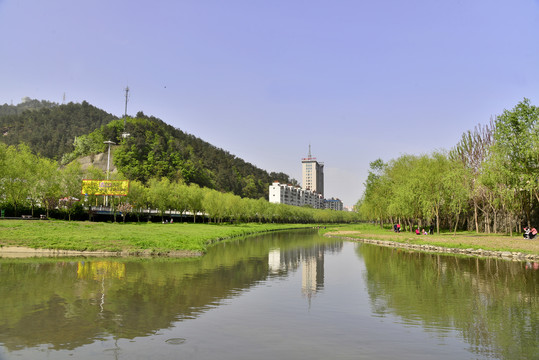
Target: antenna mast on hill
126,134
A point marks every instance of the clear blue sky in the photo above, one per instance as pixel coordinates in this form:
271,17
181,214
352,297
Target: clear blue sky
358,80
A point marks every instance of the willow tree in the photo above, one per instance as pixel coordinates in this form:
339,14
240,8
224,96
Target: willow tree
473,150
160,195
434,190
456,180
404,178
516,150
374,204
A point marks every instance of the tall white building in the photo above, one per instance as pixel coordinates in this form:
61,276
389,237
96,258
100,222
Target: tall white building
312,173
312,192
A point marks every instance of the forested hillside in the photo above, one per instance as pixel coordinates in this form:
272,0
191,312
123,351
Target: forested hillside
47,128
154,149
26,104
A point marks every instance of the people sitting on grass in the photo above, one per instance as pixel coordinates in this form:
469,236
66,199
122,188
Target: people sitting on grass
529,233
417,232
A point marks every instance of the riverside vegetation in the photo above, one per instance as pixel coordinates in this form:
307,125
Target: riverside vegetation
128,238
488,183
445,239
154,149
168,170
33,183
154,238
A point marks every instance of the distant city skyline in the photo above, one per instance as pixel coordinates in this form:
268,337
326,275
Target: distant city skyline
359,80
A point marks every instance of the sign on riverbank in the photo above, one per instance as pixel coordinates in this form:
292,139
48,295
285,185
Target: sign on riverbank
105,187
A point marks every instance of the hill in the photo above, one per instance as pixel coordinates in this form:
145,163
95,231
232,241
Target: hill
154,149
47,128
26,104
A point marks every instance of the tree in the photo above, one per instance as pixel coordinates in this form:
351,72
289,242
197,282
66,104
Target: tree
215,205
17,175
516,149
472,151
159,195
180,197
48,189
137,197
70,187
196,196
374,204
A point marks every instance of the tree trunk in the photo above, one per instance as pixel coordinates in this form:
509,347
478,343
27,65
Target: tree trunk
456,225
475,217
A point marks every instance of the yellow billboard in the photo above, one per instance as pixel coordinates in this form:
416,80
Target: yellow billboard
105,187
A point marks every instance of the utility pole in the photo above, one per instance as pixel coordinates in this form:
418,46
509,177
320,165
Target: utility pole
108,167
125,134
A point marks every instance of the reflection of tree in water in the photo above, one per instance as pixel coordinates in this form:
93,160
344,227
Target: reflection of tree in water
493,303
66,304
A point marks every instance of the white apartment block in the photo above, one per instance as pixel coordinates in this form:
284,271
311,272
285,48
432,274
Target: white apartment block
334,204
294,195
311,194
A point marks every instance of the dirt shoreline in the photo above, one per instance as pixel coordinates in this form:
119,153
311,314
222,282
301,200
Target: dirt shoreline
26,252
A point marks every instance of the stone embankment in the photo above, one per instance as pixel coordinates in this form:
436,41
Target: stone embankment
507,255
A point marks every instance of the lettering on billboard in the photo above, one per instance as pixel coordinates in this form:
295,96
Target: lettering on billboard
105,187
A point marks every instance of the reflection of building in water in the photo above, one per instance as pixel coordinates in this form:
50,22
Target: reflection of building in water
311,261
312,270
274,261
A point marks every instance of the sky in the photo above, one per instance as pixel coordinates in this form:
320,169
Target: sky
356,80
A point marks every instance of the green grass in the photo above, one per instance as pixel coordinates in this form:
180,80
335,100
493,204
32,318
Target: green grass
460,240
132,237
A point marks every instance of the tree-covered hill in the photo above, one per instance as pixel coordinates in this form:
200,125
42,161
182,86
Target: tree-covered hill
155,149
47,128
26,104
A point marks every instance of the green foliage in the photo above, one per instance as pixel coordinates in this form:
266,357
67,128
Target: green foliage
51,130
155,150
516,147
27,104
489,179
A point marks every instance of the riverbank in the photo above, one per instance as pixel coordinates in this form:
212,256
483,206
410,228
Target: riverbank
465,243
68,238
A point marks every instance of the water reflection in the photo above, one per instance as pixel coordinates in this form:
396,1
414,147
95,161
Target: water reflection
493,304
312,264
248,299
69,303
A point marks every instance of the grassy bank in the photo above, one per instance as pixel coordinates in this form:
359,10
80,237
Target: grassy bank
460,240
95,236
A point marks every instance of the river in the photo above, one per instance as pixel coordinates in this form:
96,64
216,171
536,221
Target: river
283,295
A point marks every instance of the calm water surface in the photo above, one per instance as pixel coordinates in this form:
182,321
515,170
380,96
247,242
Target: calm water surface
286,295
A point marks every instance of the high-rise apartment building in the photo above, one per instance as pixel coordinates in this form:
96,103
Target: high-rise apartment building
312,173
